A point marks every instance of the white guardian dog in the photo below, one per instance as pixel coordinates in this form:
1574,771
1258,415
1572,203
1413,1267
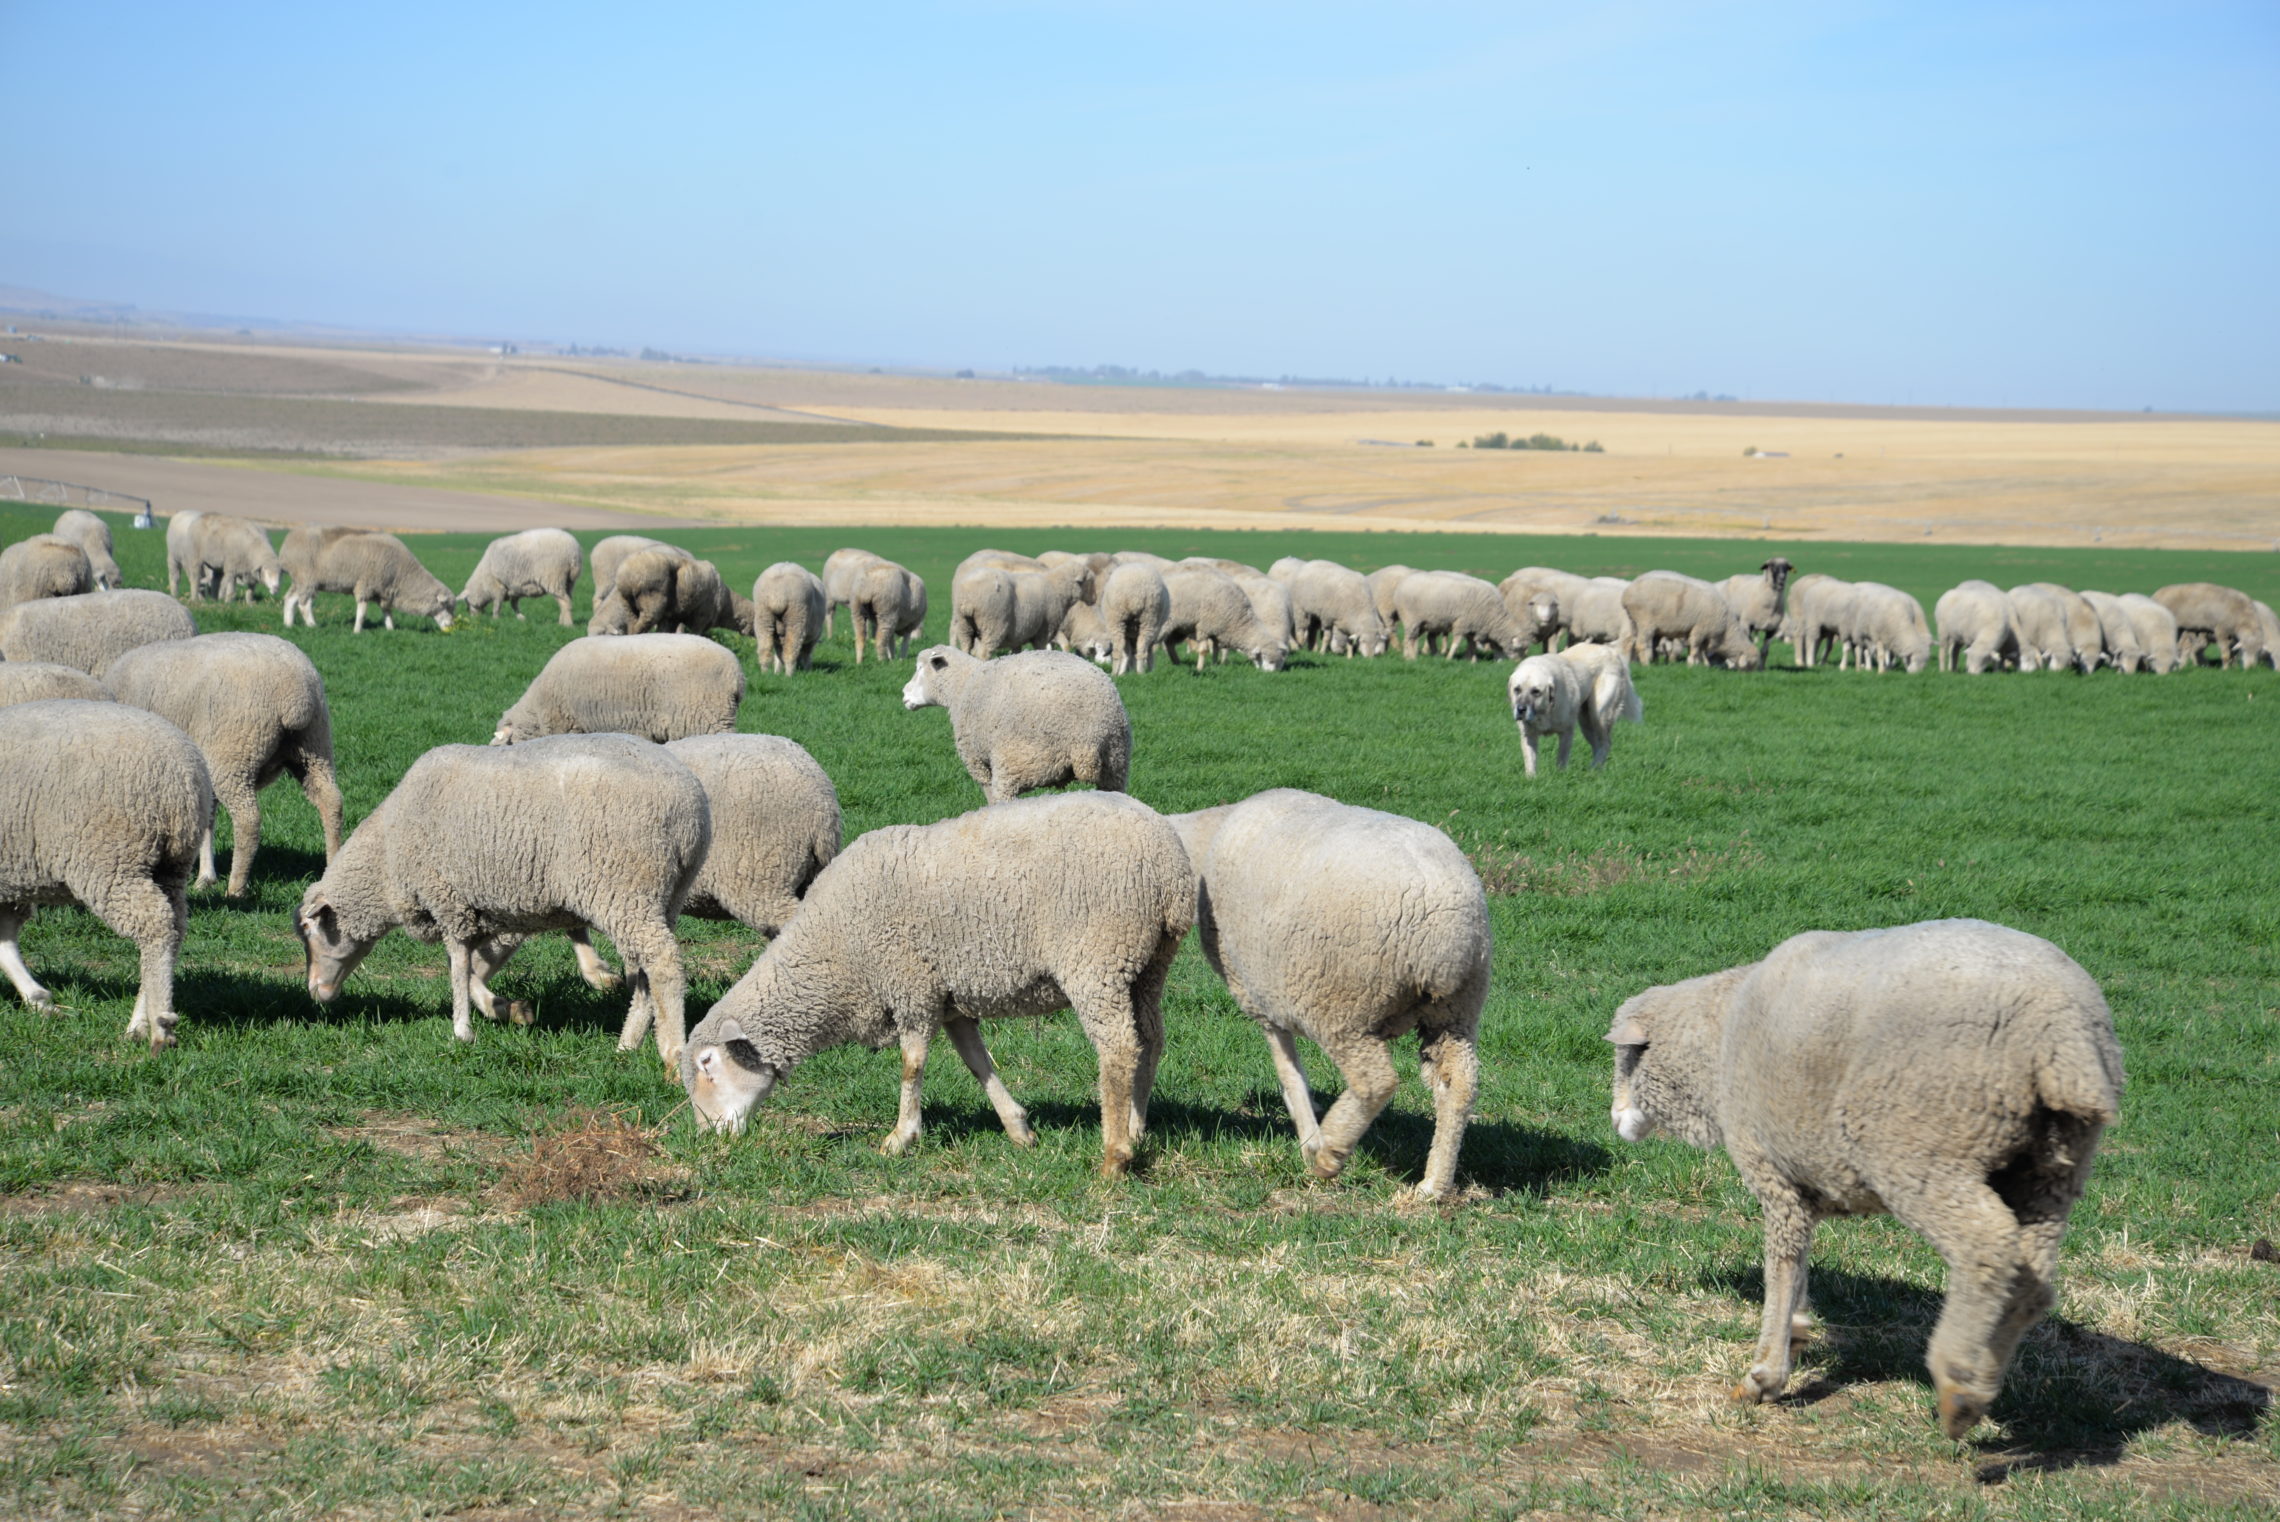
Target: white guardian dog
1586,685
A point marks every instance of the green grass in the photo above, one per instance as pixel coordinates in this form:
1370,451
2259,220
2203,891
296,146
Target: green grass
278,1269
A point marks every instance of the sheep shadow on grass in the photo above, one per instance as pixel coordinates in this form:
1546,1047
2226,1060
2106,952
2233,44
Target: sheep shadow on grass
2074,1396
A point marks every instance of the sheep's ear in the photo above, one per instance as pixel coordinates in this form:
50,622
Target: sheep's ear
731,1031
1627,1032
938,662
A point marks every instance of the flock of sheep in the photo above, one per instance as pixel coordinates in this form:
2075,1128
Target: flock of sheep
1955,1073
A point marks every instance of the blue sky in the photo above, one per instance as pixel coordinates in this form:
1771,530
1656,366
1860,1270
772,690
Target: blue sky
2056,205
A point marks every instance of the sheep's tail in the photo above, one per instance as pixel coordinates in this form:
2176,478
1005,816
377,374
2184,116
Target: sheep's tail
2077,1074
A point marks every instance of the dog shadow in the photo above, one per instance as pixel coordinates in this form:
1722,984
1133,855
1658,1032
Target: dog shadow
2073,1397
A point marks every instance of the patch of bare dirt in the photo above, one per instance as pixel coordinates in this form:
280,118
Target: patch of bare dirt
84,1196
429,1141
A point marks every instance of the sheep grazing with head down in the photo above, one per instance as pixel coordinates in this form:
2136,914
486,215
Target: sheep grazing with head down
1885,627
1210,613
2123,651
660,686
1954,1073
480,848
1597,616
43,566
1351,928
1464,612
93,536
665,589
1332,604
611,553
538,562
787,617
1082,633
101,805
224,554
1039,718
1819,608
1975,626
1585,687
2216,615
93,629
2268,625
1667,605
920,928
372,568
2156,630
2050,636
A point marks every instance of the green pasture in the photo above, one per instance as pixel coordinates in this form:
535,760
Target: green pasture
299,1266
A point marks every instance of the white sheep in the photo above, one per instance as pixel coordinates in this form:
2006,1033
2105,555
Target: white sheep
222,554
993,914
1686,609
35,681
101,805
1819,607
775,822
93,629
787,617
1596,614
1886,626
2048,632
981,611
1039,718
43,566
886,604
1975,626
256,707
1519,588
1270,605
2268,624
2114,628
666,589
1351,928
841,569
1954,1073
182,555
1464,611
1761,601
1383,583
2223,616
1083,633
370,567
1585,686
480,848
538,562
93,536
1041,599
1209,612
1332,601
2156,630
611,553
663,686
1134,607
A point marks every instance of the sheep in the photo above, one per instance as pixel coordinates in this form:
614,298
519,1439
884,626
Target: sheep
1282,570
371,567
841,569
1584,685
1666,604
2156,630
1886,625
2047,631
879,601
1042,598
1083,633
480,848
1040,718
919,928
256,707
91,630
1819,608
36,681
1134,607
611,553
787,617
1383,583
1270,605
1954,1073
2268,624
538,562
1761,602
1327,600
1975,623
182,555
43,566
667,590
2221,615
229,553
2122,648
1099,562
1522,585
1352,928
1597,616
981,611
101,805
999,560
1463,610
93,536
664,686
1210,613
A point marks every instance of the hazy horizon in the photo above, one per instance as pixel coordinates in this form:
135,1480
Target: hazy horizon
2033,206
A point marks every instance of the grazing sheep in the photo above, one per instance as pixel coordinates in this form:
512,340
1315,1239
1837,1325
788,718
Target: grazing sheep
663,686
2046,631
1667,605
1596,616
993,914
227,553
666,590
775,820
1270,605
538,562
256,706
1083,633
841,570
1041,599
1761,602
1463,611
981,611
302,545
1351,928
1975,621
2156,630
879,600
1586,686
2220,615
93,536
611,553
1819,609
372,568
2122,648
1040,718
37,681
1954,1073
1210,613
91,630
43,566
1134,607
101,805
2268,624
1885,625
1284,569
481,848
1383,583
182,555
787,617
1330,601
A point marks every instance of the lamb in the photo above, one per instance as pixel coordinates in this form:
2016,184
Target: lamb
1328,600
879,600
1463,610
2156,630
93,536
182,555
1597,616
919,928
1351,928
538,562
981,611
1134,607
775,820
1040,718
101,805
841,569
2221,615
1083,633
1886,625
1667,605
2121,641
1584,685
480,848
93,629
1975,623
668,590
663,686
611,553
255,705
787,616
43,566
228,552
1210,613
37,681
1761,602
371,567
1954,1073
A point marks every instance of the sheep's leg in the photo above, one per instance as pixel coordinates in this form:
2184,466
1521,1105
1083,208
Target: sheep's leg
1989,1284
322,788
244,805
1452,1071
462,996
638,1012
361,606
591,967
966,1035
28,988
1409,644
562,601
1113,1027
653,958
155,919
1528,749
484,960
1789,1226
909,1119
387,618
1370,1080
1297,1097
207,877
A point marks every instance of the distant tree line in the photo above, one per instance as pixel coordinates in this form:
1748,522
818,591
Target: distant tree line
1499,440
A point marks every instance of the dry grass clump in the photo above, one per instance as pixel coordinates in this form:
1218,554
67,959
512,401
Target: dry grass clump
1569,873
592,1155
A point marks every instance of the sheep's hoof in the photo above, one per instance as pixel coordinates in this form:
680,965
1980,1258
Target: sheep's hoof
520,1012
1325,1166
895,1143
1746,1394
1116,1165
1960,1412
604,980
1021,1136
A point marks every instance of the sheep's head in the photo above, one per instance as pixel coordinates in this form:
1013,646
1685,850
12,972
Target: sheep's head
1532,689
1667,1044
923,689
726,1078
1371,641
1778,570
273,576
1270,654
331,952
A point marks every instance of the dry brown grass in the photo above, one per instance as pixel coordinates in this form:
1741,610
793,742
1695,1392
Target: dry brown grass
592,1156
